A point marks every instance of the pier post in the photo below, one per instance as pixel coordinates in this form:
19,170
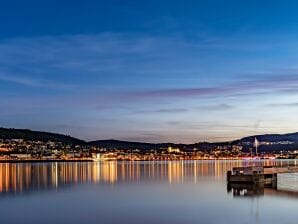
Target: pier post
229,173
274,181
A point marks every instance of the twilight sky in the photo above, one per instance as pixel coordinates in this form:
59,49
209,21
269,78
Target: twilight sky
154,71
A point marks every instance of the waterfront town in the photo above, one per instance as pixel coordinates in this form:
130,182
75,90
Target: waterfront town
25,150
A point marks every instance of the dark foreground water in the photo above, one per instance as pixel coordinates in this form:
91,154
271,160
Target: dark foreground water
140,192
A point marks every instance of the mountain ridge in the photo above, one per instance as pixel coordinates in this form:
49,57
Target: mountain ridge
27,134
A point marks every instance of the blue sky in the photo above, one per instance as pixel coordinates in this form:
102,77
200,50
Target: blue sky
154,71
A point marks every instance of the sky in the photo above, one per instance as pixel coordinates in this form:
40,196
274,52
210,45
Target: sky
151,71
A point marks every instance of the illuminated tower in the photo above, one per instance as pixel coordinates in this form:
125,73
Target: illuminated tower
256,143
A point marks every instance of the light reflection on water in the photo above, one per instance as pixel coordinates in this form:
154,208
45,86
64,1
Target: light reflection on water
147,192
20,177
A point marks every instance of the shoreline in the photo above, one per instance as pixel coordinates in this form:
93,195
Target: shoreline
91,160
44,161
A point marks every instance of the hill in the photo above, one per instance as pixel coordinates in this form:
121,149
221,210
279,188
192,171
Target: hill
10,133
111,144
278,139
26,134
292,137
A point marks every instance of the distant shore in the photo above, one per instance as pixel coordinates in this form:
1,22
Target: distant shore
91,160
44,160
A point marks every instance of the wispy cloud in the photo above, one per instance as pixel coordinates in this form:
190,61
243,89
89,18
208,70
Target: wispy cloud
216,107
165,110
293,105
31,82
73,58
267,83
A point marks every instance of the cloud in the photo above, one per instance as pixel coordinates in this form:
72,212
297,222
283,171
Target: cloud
168,110
283,105
267,83
98,52
91,61
222,106
186,92
31,82
68,59
173,123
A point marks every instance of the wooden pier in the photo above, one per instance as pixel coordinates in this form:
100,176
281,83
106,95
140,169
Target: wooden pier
255,180
257,175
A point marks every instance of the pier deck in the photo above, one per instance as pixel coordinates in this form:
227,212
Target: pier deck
260,176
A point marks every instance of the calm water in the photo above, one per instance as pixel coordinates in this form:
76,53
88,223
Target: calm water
140,192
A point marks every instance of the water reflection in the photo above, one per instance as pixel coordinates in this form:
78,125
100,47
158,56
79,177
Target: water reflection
245,190
26,177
